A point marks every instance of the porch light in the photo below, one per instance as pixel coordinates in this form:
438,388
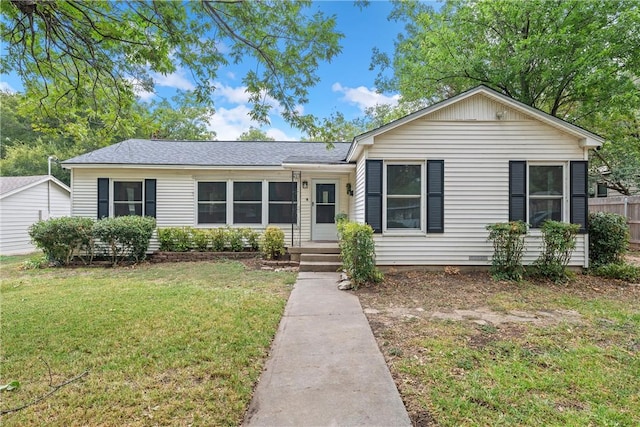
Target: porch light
349,190
305,184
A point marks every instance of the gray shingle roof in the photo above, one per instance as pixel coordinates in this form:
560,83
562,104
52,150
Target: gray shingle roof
10,183
211,153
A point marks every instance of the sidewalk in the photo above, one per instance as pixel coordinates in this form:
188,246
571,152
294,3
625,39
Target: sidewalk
325,368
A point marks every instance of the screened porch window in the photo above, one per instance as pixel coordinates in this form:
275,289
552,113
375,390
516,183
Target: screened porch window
283,206
212,203
546,185
404,196
247,202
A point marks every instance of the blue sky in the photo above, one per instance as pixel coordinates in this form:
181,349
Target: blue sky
346,84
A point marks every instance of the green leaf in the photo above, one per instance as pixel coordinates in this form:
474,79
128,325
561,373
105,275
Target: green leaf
13,385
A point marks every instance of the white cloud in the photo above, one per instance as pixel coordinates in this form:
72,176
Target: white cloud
235,95
280,135
364,97
177,80
239,95
228,124
6,87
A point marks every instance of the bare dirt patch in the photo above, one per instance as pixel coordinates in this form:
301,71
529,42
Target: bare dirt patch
410,306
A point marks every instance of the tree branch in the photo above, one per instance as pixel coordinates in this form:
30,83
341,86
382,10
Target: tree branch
44,396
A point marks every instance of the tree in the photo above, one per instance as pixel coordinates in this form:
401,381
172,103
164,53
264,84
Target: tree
181,119
336,128
576,60
254,134
29,139
65,50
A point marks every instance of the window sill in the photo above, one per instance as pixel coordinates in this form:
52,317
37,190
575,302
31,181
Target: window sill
403,233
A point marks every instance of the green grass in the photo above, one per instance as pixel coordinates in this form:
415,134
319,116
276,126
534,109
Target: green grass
567,373
168,344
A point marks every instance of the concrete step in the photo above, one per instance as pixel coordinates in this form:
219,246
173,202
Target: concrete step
324,249
320,266
334,258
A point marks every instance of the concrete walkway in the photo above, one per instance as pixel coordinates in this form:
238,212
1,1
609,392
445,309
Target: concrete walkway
325,368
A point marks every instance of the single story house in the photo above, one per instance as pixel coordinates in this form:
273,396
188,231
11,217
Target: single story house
25,200
428,183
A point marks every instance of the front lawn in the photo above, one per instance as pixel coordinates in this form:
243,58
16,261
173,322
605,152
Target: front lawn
168,344
465,350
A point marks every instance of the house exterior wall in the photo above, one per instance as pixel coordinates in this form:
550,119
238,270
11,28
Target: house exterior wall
476,149
359,196
22,209
176,194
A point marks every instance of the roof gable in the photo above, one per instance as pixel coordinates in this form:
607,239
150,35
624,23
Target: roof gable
458,108
10,185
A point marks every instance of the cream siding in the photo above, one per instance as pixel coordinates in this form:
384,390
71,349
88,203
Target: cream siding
20,210
359,192
176,197
476,185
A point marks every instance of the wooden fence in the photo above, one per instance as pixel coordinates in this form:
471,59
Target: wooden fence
622,205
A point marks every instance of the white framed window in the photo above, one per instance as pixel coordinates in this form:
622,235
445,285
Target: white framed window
546,193
283,202
127,198
403,191
212,202
247,202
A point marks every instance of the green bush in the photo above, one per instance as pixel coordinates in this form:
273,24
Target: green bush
175,239
61,238
252,238
622,271
235,239
200,239
272,243
125,237
559,241
357,249
608,238
218,239
508,246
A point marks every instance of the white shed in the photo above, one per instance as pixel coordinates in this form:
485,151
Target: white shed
25,200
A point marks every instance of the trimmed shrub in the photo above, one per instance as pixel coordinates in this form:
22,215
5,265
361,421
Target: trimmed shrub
508,245
608,238
175,239
125,237
200,239
61,238
218,239
622,271
559,241
252,238
272,243
235,239
358,252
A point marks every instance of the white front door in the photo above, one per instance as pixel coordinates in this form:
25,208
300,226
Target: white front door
324,208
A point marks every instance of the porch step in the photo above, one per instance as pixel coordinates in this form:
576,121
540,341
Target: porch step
321,257
315,249
320,266
317,256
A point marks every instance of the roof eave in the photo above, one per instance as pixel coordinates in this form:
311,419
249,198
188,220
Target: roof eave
176,166
328,167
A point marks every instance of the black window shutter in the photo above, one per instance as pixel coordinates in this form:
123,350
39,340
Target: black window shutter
579,205
373,204
150,197
103,198
517,191
435,196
